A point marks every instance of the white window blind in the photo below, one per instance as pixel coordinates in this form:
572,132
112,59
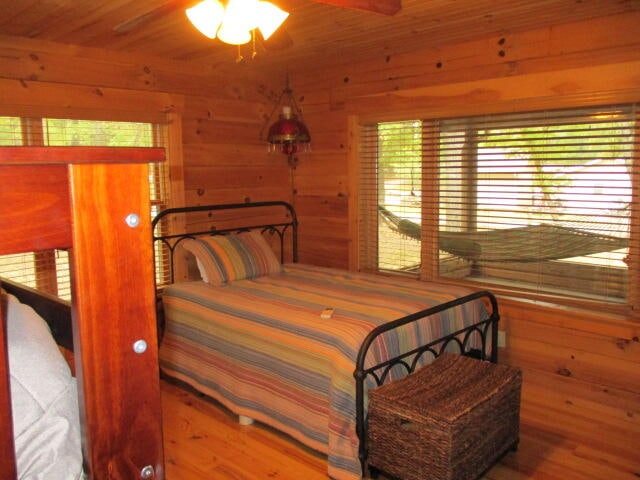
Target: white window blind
49,271
534,201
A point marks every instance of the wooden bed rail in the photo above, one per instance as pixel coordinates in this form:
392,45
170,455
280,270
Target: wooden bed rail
8,468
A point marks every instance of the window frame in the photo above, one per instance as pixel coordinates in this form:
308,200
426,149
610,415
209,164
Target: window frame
429,250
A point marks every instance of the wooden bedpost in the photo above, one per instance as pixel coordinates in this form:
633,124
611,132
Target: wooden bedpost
96,200
113,311
7,463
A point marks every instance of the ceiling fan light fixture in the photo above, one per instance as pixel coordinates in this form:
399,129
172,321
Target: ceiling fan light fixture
235,23
206,16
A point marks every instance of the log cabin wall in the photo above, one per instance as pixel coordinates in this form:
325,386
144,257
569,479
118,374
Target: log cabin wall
582,366
216,113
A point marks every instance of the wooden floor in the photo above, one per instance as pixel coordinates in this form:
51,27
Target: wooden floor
559,441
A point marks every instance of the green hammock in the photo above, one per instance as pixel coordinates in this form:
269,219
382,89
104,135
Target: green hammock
521,244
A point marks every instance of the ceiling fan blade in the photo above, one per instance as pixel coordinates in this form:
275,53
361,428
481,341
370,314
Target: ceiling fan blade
385,7
149,16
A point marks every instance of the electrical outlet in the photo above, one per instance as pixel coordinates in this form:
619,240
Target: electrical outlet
502,338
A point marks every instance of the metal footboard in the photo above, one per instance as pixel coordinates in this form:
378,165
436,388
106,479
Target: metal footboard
487,330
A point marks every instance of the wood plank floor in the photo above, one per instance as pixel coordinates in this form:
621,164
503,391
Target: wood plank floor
559,441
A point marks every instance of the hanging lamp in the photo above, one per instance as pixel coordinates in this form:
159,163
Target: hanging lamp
288,134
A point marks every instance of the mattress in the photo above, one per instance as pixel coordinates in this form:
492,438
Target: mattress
261,348
44,400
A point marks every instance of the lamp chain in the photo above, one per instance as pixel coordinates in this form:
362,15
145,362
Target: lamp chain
254,51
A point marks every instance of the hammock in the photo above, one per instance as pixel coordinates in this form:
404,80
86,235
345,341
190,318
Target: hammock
521,244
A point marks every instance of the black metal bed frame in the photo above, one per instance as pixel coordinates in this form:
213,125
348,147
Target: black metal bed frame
486,330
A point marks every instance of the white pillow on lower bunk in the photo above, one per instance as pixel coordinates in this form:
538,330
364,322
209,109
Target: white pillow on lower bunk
44,400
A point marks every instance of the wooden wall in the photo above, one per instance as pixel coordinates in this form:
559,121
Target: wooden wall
216,114
584,366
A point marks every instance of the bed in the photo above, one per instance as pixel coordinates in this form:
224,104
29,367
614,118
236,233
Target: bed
298,346
67,197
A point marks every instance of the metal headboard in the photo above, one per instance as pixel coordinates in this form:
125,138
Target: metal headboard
171,241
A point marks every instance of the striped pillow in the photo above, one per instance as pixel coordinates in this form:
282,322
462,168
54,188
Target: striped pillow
209,265
226,258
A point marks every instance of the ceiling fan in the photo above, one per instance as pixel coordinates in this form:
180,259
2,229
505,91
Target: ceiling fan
280,39
385,7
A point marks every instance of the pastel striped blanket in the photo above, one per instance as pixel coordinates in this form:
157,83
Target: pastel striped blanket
260,347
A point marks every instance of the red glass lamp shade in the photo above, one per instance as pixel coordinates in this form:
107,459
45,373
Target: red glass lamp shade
288,132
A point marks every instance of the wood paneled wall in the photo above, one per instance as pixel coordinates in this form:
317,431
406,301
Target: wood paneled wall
589,361
220,111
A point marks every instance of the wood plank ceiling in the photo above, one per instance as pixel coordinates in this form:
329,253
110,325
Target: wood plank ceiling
316,33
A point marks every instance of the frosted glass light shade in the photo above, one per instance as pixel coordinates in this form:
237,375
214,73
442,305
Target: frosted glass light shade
241,14
234,35
238,21
269,18
206,16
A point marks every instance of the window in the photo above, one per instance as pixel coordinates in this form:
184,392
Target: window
537,202
49,270
392,183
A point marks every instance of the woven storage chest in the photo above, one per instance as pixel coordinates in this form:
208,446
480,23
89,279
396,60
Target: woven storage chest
450,420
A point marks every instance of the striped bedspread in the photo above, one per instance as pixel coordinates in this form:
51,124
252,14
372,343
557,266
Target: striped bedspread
260,347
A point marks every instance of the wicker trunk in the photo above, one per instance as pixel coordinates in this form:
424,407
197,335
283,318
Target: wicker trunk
450,420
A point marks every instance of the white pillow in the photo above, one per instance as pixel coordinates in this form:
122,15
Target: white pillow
44,400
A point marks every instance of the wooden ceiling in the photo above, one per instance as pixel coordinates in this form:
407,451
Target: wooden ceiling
315,33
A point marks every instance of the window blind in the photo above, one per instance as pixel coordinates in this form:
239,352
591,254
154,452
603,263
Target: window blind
534,201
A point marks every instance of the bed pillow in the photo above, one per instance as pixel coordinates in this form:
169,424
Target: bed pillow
209,264
44,399
227,258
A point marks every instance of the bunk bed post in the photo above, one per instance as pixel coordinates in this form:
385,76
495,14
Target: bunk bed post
113,313
96,200
7,460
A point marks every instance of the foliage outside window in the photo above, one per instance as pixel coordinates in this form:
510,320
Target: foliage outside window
536,202
49,271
